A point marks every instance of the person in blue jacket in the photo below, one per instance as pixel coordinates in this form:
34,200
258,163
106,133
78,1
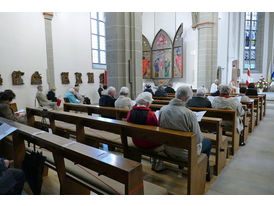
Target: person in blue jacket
71,97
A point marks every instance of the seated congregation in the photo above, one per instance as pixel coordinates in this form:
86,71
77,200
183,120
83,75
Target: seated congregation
159,140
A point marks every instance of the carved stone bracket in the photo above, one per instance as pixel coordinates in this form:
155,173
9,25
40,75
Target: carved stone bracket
90,77
36,78
78,78
65,77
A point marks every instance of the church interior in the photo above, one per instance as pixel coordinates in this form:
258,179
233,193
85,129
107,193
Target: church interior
108,103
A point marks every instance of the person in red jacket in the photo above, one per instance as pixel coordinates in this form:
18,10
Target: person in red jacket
142,114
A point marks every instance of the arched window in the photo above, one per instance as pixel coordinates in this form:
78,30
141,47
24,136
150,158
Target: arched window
250,40
178,53
146,58
161,56
98,39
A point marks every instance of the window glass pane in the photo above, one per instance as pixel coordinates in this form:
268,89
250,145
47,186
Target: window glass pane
102,16
95,56
253,54
248,15
93,15
253,35
246,54
253,44
254,25
102,28
102,43
254,15
102,57
246,63
94,26
247,25
94,42
252,64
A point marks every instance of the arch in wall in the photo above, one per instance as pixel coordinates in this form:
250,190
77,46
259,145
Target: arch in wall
146,60
177,60
162,56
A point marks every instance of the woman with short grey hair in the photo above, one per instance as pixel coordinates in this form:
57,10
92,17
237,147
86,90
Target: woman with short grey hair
123,101
200,100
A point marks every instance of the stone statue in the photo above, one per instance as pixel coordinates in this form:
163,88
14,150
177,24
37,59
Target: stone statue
102,78
16,77
90,77
36,78
65,77
78,77
1,80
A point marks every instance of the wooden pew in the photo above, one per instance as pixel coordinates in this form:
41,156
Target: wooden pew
185,140
264,103
164,102
261,105
207,124
162,98
117,168
251,115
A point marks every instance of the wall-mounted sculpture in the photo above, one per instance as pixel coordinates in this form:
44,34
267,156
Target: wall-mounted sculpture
36,78
17,77
78,78
178,53
146,58
162,56
90,77
65,77
1,80
102,78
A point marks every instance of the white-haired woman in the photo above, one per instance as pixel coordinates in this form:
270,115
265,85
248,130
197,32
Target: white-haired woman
123,101
71,96
200,100
108,99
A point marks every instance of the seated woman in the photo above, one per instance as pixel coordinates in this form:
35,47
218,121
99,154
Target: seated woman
142,114
11,179
123,101
251,90
244,98
71,96
6,111
224,101
200,100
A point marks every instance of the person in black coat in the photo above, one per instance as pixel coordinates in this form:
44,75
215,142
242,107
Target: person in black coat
108,100
251,90
148,89
160,92
169,89
217,93
51,95
200,99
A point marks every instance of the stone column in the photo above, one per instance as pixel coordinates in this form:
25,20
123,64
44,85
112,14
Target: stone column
207,48
124,51
50,63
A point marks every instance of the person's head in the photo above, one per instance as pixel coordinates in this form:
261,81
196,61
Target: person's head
100,85
40,88
184,93
124,91
105,86
4,97
161,87
217,81
251,86
242,90
53,89
148,86
225,90
111,91
76,87
72,91
144,98
201,92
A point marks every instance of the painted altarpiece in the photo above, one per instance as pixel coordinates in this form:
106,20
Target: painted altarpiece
178,53
146,58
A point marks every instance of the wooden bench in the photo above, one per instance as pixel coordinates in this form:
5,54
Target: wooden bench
250,113
207,124
164,102
162,98
260,104
119,175
185,140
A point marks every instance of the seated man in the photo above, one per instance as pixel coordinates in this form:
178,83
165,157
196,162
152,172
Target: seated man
176,116
224,101
104,91
123,101
6,111
217,93
70,95
51,96
148,89
169,89
142,114
42,99
214,86
160,92
244,98
200,100
11,179
108,99
77,94
251,90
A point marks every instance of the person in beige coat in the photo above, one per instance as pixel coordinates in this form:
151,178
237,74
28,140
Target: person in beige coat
123,101
42,99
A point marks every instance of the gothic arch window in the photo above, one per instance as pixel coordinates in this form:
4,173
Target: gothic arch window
162,56
146,58
178,53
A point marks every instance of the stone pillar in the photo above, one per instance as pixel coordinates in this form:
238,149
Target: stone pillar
207,48
50,63
124,51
